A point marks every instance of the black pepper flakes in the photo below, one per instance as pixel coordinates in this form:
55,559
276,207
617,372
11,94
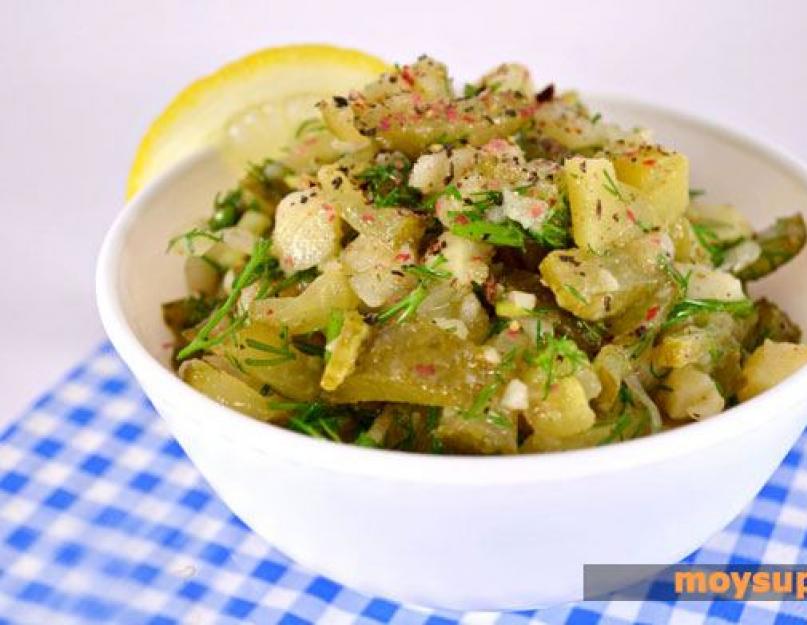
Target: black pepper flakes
546,95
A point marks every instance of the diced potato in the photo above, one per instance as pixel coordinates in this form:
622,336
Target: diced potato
566,121
343,351
508,77
602,212
563,412
486,434
661,178
395,227
688,249
310,310
689,393
418,363
426,77
770,364
307,231
688,346
291,373
707,283
375,272
430,171
595,286
392,226
530,212
467,260
433,171
230,391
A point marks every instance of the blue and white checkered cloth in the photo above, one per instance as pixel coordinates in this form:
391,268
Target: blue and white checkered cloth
103,519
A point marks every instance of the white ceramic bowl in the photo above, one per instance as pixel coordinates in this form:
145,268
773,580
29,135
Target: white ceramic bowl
466,532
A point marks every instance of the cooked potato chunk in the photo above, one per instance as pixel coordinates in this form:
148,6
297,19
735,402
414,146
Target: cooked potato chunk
563,411
688,248
661,178
392,226
307,231
770,363
601,210
566,121
689,393
508,77
706,283
466,260
595,286
375,272
690,345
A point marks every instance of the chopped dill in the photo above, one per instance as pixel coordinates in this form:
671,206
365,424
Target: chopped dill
203,340
611,186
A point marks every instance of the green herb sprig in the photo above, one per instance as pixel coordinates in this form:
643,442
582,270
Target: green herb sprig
190,236
550,353
315,419
203,341
405,308
479,407
688,307
280,354
611,186
388,185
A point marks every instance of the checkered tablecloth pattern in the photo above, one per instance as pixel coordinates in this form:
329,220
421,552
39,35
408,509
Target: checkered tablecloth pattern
103,519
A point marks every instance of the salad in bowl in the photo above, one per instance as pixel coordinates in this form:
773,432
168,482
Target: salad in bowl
496,270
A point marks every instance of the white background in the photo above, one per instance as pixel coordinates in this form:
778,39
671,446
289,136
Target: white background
79,82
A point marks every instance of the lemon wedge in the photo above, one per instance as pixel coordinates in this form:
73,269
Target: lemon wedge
250,108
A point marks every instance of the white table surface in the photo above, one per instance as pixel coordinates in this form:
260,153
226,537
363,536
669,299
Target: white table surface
79,82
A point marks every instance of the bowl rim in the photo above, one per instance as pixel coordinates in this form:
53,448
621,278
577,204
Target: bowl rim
262,438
